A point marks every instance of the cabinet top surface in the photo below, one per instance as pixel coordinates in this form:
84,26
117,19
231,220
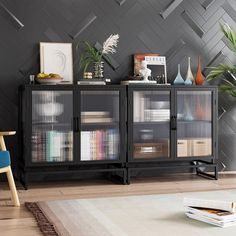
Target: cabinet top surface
115,86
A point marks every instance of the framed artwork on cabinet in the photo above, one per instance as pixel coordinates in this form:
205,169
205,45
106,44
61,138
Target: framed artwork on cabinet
57,58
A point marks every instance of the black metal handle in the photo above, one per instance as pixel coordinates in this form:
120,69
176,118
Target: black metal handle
76,124
173,123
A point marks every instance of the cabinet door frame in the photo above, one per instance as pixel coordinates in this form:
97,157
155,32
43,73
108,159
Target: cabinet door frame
27,149
122,126
214,125
130,123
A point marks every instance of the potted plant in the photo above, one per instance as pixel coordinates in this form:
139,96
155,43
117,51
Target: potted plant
229,86
93,56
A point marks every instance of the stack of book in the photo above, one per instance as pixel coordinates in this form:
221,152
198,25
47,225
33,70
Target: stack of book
95,117
99,145
52,146
146,109
158,115
219,213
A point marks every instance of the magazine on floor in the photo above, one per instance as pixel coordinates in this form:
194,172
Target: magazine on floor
218,213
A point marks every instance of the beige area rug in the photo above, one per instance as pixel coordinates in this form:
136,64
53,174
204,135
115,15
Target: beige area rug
157,215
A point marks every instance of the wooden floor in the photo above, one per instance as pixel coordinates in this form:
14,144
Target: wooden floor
18,221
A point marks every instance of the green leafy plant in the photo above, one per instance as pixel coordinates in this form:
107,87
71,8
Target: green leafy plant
91,54
228,86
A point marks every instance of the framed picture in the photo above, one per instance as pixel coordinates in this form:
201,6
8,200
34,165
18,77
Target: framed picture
157,64
138,58
57,58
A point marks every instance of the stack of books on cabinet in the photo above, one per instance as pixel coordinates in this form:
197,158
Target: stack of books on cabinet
218,213
52,146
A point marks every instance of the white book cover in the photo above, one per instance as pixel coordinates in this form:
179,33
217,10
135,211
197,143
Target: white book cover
142,108
213,204
136,108
85,146
57,145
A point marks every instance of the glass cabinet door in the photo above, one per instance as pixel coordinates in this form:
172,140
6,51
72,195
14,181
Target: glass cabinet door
52,134
151,124
100,126
194,123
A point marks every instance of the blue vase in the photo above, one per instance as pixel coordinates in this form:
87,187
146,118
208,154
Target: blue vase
179,79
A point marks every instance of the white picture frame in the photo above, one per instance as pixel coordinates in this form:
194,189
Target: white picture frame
57,58
159,62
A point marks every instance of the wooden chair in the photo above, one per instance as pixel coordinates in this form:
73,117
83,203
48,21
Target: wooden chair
5,166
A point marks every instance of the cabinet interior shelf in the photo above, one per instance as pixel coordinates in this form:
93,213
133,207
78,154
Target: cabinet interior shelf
100,123
151,122
193,121
50,124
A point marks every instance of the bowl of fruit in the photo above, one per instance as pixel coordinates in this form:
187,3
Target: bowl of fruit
51,78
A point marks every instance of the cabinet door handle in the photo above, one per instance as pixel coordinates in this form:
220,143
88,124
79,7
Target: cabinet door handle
173,123
77,124
74,124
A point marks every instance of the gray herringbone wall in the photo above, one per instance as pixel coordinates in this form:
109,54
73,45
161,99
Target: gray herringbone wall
175,28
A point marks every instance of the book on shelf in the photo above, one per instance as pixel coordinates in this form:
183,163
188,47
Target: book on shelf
219,213
95,113
99,145
143,109
96,120
52,146
95,117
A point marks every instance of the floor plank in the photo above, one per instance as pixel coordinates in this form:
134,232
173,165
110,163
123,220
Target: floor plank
18,221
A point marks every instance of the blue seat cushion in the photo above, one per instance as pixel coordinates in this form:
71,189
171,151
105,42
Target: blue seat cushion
5,159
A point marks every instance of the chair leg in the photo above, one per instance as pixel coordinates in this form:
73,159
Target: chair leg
12,186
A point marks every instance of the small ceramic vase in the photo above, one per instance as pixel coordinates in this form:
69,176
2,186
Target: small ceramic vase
199,78
179,79
189,76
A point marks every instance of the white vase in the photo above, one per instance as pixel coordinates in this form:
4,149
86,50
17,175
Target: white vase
189,76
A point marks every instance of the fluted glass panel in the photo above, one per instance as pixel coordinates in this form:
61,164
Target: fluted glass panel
151,124
100,129
52,134
194,123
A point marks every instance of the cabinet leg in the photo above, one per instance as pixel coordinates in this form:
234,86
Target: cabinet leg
24,180
128,175
124,176
216,172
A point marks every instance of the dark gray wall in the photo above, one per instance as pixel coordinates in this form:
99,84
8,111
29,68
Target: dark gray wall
184,28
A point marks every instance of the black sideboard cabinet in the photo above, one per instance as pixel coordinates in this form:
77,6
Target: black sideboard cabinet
66,130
